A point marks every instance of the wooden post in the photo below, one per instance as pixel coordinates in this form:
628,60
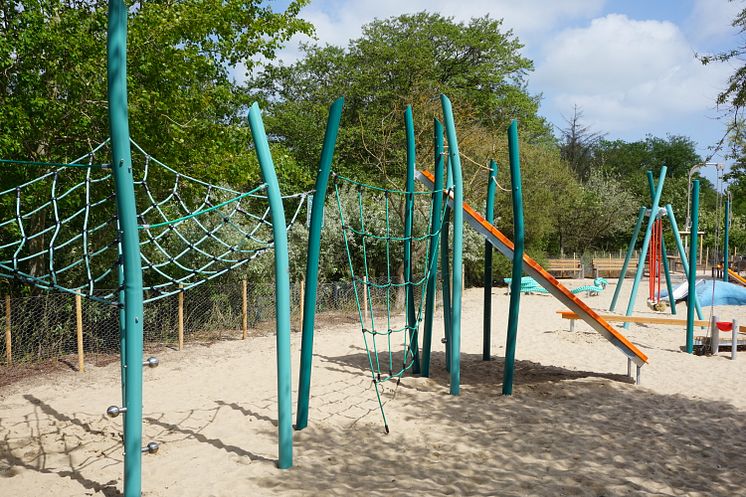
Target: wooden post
365,301
79,329
181,320
244,309
301,298
8,344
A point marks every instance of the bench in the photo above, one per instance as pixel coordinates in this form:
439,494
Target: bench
611,268
561,268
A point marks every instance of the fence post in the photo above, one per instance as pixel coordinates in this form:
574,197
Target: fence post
301,297
181,319
8,344
244,308
79,330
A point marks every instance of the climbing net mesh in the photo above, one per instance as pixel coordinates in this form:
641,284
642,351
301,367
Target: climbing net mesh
62,229
368,233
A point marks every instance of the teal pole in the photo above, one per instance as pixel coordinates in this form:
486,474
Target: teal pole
446,277
682,253
627,258
692,268
490,217
454,160
312,261
646,242
131,272
432,263
282,288
727,242
671,299
408,221
664,254
517,272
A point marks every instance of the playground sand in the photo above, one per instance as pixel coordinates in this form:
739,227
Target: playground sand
574,426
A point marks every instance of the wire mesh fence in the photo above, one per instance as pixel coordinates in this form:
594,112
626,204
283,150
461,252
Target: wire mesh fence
46,326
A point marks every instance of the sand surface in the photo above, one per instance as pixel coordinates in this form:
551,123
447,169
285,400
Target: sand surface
576,425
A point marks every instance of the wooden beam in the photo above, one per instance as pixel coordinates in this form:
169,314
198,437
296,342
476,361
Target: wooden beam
643,320
79,331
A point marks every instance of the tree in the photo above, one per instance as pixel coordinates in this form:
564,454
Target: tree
186,107
577,144
409,59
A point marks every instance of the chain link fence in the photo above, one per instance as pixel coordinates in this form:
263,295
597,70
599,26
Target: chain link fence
44,330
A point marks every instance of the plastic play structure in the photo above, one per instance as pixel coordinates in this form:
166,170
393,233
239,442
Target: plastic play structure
530,285
654,250
149,243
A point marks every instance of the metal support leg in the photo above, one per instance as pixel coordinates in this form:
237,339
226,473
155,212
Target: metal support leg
629,367
637,377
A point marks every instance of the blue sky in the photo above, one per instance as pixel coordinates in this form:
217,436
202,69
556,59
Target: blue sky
628,64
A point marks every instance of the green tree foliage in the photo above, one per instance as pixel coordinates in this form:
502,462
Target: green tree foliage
185,103
409,59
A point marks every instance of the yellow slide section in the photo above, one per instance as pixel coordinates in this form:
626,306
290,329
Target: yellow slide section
737,277
554,287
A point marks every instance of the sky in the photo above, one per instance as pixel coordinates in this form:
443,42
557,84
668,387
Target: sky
629,65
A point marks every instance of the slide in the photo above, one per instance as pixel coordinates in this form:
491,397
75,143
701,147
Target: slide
737,277
557,289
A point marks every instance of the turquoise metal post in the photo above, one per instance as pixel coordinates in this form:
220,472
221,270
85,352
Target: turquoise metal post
445,263
682,254
664,254
518,242
630,251
121,162
432,263
692,268
646,242
414,346
669,287
490,217
312,261
454,162
727,242
282,288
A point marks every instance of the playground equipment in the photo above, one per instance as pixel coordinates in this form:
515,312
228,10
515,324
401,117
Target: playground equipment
359,236
150,244
736,277
555,288
530,285
654,249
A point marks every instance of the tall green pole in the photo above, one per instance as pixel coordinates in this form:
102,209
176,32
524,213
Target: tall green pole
282,288
132,271
628,257
445,264
692,268
454,160
517,272
727,242
490,217
312,261
646,242
432,263
682,254
408,221
664,254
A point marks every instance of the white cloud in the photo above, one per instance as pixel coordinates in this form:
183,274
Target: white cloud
338,21
626,73
711,19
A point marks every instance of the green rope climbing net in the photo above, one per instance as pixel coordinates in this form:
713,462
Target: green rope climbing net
385,326
62,232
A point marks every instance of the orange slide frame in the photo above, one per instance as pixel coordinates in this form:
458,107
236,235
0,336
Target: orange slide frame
737,277
505,246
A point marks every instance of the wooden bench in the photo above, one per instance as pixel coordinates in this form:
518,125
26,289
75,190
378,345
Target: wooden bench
561,268
611,268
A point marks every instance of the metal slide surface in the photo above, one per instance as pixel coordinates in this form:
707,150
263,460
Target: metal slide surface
557,289
737,277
